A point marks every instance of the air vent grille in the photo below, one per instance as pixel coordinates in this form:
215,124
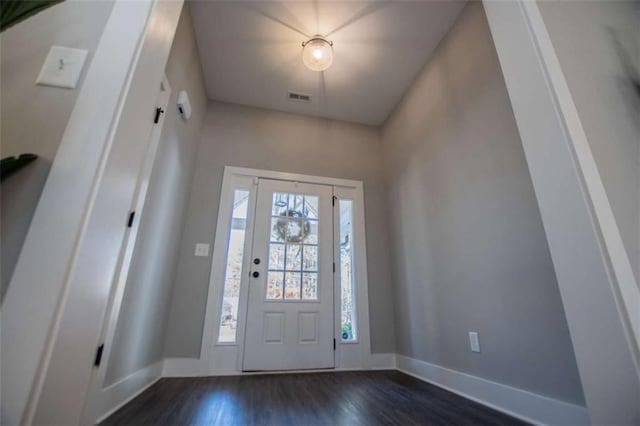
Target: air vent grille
298,97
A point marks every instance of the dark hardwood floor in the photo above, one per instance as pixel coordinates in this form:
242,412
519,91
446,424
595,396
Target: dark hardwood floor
335,398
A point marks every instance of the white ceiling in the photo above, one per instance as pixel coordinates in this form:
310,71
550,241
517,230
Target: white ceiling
251,52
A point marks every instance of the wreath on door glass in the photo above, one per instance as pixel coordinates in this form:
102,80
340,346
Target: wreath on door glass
293,226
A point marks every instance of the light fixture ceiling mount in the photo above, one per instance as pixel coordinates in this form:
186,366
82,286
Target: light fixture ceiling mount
317,53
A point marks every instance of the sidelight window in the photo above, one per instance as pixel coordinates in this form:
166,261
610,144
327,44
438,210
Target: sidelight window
233,272
347,283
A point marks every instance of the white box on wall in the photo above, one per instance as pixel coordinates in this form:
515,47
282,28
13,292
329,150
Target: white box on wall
62,68
184,106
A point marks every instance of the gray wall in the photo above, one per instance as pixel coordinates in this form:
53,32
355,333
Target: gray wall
140,332
241,136
35,117
592,41
469,249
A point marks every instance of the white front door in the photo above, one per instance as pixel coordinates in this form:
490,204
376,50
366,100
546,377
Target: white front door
290,311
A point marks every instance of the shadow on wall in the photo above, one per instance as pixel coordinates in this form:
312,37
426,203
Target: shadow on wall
34,117
19,193
598,52
623,43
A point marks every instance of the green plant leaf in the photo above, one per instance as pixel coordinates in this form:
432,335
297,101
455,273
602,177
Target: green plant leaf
14,11
10,165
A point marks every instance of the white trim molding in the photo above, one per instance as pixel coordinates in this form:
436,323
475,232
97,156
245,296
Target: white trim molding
63,278
515,402
293,177
115,303
182,367
195,367
383,361
623,281
226,358
599,293
524,405
117,395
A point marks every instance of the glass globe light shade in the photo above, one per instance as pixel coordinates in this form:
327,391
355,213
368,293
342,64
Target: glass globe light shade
317,54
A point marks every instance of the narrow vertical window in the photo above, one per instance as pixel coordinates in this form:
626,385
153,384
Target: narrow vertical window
233,271
348,301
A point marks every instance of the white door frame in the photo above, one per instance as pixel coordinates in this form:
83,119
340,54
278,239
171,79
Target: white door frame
291,353
93,407
226,358
60,287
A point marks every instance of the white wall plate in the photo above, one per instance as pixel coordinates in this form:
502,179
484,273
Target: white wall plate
202,249
62,67
474,341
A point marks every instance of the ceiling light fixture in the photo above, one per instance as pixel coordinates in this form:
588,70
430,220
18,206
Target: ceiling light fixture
317,53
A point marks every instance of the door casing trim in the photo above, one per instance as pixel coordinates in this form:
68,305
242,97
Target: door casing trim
216,358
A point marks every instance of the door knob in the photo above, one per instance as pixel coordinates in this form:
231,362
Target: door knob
256,274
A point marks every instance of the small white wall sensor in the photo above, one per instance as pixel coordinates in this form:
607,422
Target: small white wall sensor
184,106
62,67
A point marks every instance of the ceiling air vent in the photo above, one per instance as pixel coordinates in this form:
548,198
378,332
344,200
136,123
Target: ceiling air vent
298,97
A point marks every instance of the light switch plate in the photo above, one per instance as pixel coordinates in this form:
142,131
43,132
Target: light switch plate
62,68
202,249
474,340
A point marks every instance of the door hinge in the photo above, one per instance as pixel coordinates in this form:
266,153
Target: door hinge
96,362
130,221
334,267
333,200
159,111
334,344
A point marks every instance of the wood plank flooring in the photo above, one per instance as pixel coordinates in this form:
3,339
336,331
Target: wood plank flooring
335,398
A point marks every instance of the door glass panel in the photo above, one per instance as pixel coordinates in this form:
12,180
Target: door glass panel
311,206
310,258
310,286
276,256
295,203
275,283
348,301
312,237
233,271
292,285
294,257
293,247
277,230
295,229
280,203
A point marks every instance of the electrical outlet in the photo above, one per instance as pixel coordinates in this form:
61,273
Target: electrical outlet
202,250
474,341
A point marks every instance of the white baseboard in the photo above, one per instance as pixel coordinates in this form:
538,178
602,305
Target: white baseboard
111,398
515,402
383,361
193,367
182,367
